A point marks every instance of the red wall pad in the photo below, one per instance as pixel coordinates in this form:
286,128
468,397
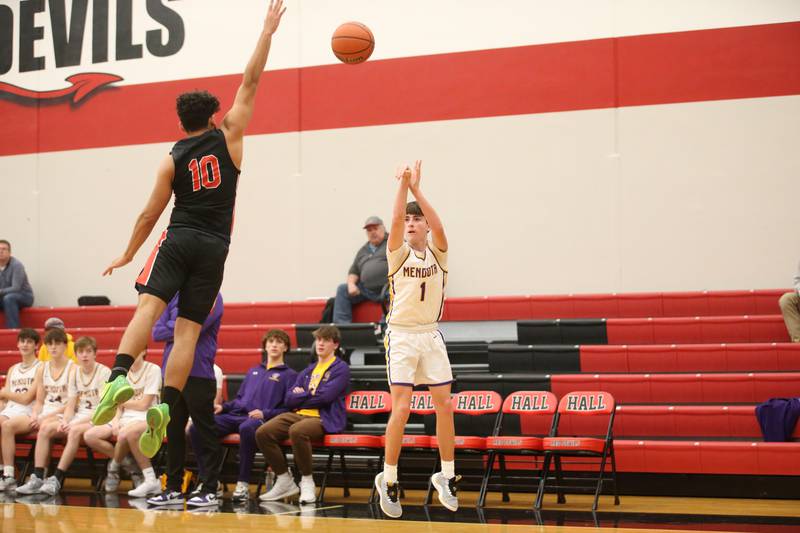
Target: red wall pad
257,313
75,317
640,304
766,328
508,307
466,308
679,457
250,336
682,388
728,457
778,458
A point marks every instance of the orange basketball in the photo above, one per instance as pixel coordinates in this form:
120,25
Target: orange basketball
352,43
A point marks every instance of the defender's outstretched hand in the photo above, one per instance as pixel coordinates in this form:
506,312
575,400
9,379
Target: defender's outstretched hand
274,14
120,261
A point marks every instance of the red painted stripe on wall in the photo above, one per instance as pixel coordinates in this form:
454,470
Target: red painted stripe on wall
718,64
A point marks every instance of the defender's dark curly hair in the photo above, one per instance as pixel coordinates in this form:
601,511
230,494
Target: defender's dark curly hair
195,108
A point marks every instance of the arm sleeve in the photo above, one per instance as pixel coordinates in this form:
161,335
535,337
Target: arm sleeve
295,399
329,391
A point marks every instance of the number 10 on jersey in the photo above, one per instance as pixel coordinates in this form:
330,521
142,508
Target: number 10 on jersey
205,174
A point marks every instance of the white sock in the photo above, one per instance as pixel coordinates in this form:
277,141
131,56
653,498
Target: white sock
449,469
149,474
390,473
113,466
307,479
8,471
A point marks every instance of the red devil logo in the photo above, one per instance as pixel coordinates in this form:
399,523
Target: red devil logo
81,86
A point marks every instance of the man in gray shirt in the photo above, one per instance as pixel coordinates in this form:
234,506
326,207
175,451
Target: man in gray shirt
790,307
15,291
367,275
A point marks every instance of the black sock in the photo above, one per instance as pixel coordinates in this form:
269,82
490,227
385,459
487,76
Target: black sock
60,475
122,363
39,472
170,396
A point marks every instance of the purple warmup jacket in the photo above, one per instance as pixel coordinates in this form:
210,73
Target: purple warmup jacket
329,398
262,389
164,330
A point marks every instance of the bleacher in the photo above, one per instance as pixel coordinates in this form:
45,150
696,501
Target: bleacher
685,368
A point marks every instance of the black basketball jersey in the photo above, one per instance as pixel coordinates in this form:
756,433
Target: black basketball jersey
204,184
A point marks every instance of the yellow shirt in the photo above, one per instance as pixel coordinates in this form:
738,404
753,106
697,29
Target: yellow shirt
316,377
44,353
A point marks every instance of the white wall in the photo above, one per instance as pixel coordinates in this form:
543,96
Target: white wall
668,197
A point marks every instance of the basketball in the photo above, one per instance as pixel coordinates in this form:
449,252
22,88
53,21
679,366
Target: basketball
352,43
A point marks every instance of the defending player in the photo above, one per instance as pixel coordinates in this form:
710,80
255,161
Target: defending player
415,349
202,170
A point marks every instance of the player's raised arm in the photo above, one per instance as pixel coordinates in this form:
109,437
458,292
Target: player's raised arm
434,222
162,192
237,119
395,241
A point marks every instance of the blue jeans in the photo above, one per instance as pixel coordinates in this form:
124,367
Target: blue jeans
343,305
12,303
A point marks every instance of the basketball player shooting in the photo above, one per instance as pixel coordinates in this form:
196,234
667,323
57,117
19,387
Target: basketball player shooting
415,350
202,171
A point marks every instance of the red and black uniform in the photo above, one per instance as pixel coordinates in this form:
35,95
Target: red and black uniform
190,255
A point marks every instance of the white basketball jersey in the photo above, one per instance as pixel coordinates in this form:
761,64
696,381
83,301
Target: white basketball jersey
20,380
416,288
56,388
88,387
146,381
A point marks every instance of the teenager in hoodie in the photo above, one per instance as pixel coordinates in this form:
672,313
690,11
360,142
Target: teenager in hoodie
260,398
316,404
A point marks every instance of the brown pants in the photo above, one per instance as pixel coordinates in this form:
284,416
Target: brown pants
790,307
302,430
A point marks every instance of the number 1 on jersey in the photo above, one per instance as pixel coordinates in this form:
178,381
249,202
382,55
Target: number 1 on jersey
200,174
422,289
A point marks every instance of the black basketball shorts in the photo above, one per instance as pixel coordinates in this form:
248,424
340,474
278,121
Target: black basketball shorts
188,261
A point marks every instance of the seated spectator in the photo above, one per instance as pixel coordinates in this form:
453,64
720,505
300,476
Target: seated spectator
790,307
83,391
51,401
317,402
56,323
260,398
367,276
15,290
17,398
128,425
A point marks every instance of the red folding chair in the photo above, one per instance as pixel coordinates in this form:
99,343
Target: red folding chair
526,417
475,417
576,434
358,404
